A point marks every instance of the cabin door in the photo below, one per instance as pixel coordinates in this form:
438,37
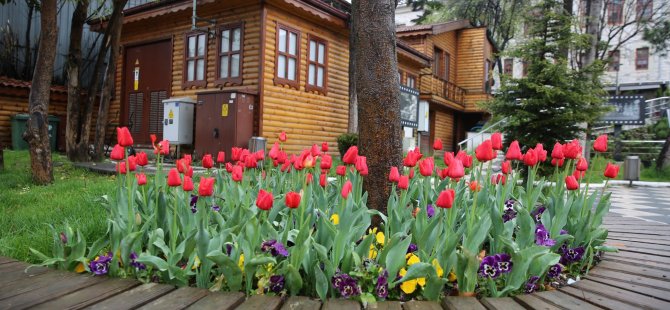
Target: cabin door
146,80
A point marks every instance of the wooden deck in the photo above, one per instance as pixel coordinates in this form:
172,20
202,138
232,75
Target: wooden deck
636,277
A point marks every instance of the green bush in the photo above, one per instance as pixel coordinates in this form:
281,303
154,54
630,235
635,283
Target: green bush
345,141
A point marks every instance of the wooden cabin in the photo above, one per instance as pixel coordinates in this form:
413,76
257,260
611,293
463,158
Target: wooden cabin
460,76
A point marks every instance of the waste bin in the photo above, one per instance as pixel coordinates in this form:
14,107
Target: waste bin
19,123
256,144
631,168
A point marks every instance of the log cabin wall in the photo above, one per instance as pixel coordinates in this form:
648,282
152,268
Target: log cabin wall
308,117
444,129
473,51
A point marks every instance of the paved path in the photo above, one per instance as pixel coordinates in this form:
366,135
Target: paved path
645,203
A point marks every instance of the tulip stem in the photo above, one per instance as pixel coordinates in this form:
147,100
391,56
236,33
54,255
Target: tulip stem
173,231
131,215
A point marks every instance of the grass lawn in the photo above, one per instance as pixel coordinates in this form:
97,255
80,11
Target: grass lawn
26,209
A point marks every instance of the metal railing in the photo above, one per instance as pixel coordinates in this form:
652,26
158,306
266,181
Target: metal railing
482,134
647,150
654,109
446,89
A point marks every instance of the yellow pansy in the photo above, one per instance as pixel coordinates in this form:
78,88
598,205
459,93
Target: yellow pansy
373,252
452,277
380,238
412,259
438,268
408,287
196,263
335,218
240,263
80,268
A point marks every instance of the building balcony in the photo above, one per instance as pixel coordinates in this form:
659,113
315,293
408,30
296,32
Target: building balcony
438,89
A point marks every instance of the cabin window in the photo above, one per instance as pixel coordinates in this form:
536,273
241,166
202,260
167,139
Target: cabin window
613,61
317,65
411,81
438,61
642,58
195,59
508,67
615,12
288,56
229,61
644,9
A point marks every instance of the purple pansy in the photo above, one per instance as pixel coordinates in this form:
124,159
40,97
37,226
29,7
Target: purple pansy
571,255
382,287
503,262
542,236
133,257
276,284
489,267
563,232
346,285
216,208
430,210
63,238
100,265
537,213
554,271
194,202
412,248
531,285
509,213
274,247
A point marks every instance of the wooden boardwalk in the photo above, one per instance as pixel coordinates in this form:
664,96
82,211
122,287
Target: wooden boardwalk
636,277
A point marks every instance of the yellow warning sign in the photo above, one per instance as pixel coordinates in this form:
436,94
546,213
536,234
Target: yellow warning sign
224,110
170,114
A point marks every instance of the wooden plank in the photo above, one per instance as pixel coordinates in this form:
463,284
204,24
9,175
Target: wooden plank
25,285
135,297
301,303
421,305
13,266
622,294
563,300
637,236
4,260
631,277
261,302
634,269
177,299
10,277
634,249
641,256
533,302
501,303
633,245
222,301
457,302
596,299
638,240
637,262
385,305
89,295
56,287
635,287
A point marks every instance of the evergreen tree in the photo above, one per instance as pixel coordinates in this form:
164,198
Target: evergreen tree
551,102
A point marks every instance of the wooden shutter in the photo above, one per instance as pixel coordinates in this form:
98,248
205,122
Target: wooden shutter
135,110
156,114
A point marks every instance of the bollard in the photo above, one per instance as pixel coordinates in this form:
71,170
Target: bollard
631,169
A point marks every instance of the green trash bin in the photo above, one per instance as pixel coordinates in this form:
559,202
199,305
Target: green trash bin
19,123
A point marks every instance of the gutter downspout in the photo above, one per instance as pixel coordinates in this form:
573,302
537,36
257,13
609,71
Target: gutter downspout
194,16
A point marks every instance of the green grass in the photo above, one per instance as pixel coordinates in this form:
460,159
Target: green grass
26,209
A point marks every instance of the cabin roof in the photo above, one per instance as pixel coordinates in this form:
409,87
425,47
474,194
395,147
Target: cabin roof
414,54
434,29
14,83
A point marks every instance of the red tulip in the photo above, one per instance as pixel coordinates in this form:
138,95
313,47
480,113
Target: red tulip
474,186
558,162
514,151
297,162
350,156
466,159
456,170
163,148
315,150
153,138
237,174
206,187
326,162
118,153
207,161
446,199
530,158
324,147
292,200
286,166
571,183
600,145
506,167
274,151
496,141
611,171
142,159
403,182
236,152
124,137
308,161
141,178
572,149
132,163
426,167
437,144
264,200
282,136
180,165
229,167
557,152
448,157
323,180
187,185
412,157
578,174
582,165
173,178
443,173
221,157
188,159
250,162
540,152
309,178
498,178
346,189
484,152
394,175
121,167
341,170
260,155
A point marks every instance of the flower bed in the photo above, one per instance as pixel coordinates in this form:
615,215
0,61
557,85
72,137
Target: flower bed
286,227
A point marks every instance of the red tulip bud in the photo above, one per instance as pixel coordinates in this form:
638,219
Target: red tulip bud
496,141
350,156
394,175
292,200
264,200
118,153
221,157
611,171
571,183
346,189
173,178
123,136
403,182
207,161
206,187
600,145
187,186
142,159
514,151
437,144
446,199
141,179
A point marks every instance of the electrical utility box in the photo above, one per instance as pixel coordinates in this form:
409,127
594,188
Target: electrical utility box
225,119
178,120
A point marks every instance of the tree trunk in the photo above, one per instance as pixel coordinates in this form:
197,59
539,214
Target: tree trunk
594,8
73,83
377,87
353,99
37,131
106,94
27,54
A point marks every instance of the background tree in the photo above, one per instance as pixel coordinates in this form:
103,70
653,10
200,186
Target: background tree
37,131
554,98
377,87
659,37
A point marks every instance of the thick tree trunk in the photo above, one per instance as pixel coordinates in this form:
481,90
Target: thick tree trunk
378,92
106,94
37,131
353,99
73,83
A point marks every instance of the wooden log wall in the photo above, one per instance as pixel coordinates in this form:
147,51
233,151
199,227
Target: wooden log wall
473,50
444,129
307,117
